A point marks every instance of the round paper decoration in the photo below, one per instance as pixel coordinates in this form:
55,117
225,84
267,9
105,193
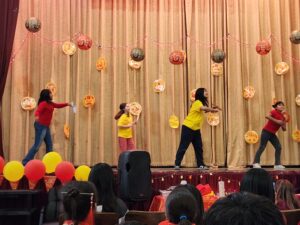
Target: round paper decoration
69,48
28,103
159,85
52,87
213,119
100,64
134,64
216,69
174,121
137,54
33,24
84,42
297,100
192,94
89,101
281,68
251,137
263,47
218,56
296,135
135,108
177,57
248,92
295,37
67,131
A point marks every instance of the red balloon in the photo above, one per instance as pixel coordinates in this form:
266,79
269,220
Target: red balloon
35,170
1,164
65,171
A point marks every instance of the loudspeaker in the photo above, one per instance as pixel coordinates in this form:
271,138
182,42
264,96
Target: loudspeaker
135,175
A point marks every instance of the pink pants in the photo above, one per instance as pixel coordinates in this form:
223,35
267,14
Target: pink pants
126,144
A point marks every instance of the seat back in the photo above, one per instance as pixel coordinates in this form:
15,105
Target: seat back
146,217
106,218
292,216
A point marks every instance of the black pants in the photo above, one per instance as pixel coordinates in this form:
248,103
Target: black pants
265,137
187,136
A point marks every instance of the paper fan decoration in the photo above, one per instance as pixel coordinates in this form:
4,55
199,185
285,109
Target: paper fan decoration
137,54
296,135
84,42
248,92
52,87
213,119
88,101
216,69
177,57
218,56
192,94
67,131
263,47
33,24
100,64
251,137
174,121
295,37
297,100
135,108
159,85
28,103
281,68
134,64
69,48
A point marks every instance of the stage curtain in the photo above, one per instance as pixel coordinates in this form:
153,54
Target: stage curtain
159,27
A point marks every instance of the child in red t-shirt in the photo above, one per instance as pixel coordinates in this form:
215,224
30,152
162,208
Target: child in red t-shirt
275,121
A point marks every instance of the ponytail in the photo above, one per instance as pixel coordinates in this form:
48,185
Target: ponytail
121,112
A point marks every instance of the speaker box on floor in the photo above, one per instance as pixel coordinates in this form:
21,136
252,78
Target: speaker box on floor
135,175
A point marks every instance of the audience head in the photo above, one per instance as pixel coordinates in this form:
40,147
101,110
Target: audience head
284,190
181,207
258,181
242,208
198,197
77,199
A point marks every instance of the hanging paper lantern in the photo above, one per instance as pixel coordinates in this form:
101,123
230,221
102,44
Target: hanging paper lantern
263,47
28,103
173,121
159,85
297,100
295,37
296,135
134,64
281,68
251,137
216,69
64,171
84,42
100,64
69,48
177,57
52,87
33,24
218,56
135,108
137,54
193,94
213,119
248,92
89,101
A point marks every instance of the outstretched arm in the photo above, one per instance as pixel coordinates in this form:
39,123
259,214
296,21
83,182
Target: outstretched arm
209,109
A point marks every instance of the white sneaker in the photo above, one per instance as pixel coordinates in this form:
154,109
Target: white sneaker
279,167
256,165
176,167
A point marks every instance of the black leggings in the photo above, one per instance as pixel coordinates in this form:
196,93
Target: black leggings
265,137
187,136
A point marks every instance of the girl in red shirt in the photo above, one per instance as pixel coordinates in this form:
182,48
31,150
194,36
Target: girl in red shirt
43,116
275,121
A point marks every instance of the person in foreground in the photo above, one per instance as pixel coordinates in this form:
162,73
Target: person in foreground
191,127
243,208
275,121
43,116
285,198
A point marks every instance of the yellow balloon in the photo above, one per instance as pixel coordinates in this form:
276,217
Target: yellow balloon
13,171
51,160
82,173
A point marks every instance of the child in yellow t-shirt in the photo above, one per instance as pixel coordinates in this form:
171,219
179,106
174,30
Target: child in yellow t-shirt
125,124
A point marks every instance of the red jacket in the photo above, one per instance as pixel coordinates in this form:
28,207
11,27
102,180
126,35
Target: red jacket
44,111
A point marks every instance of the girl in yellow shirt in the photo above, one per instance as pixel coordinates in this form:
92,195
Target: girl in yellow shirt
125,124
192,124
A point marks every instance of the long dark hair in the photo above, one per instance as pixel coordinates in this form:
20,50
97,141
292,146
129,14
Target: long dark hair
199,95
121,112
285,191
45,96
